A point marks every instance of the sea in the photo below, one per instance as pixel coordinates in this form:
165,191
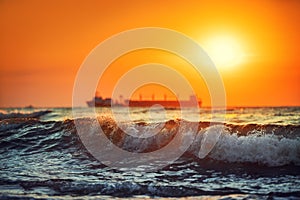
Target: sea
252,153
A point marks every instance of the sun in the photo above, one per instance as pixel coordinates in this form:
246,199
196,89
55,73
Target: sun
224,51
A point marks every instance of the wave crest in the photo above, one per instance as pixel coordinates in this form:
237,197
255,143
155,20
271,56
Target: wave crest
266,149
270,145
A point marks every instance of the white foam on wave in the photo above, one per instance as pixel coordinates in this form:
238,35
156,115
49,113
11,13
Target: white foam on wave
217,142
142,131
267,149
209,140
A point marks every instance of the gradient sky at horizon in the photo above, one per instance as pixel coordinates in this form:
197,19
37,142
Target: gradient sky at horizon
43,43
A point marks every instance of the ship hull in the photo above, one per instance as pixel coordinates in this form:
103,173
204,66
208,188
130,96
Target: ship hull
166,104
96,104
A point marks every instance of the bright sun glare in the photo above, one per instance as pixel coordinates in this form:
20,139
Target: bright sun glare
225,52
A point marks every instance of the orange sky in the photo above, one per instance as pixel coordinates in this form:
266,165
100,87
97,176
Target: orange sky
43,43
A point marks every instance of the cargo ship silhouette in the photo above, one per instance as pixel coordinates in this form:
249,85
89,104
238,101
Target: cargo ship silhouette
98,101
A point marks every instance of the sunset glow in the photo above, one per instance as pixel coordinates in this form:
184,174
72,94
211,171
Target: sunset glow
149,99
225,52
254,44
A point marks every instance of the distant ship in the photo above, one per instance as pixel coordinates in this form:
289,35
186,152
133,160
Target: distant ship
193,101
108,102
100,102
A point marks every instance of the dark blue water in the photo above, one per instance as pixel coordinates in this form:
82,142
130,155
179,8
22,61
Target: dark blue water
257,155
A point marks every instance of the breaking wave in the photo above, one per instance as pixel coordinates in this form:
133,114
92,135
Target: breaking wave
268,145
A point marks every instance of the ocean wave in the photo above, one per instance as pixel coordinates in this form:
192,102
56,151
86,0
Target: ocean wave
13,115
269,145
266,149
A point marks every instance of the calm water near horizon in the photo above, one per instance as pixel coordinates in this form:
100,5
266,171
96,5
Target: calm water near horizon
257,155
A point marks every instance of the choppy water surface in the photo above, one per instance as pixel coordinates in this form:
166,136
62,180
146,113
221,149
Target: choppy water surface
256,156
